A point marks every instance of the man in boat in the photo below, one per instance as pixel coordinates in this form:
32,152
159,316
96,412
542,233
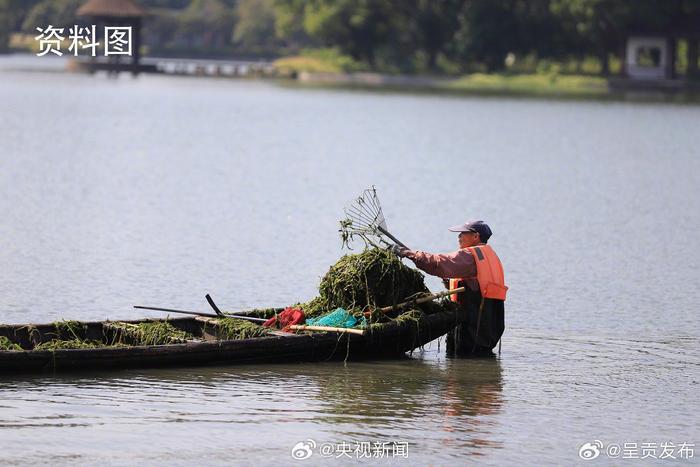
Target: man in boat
476,267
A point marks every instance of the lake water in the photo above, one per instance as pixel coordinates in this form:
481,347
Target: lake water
157,190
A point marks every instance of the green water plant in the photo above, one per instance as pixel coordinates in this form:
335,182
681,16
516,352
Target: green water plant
370,279
61,344
148,333
69,334
69,330
231,328
7,344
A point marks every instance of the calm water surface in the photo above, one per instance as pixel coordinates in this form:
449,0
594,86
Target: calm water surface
157,190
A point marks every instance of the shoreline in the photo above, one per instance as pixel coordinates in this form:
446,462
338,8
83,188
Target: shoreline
526,86
493,85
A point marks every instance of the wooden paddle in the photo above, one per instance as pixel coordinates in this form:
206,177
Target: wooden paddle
197,313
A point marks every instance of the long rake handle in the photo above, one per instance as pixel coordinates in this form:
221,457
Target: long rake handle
423,299
385,232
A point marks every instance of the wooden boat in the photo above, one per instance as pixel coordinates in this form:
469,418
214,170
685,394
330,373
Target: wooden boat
390,339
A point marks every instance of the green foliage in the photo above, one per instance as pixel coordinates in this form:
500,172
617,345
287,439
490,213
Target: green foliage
149,333
317,306
423,35
255,23
291,66
289,23
205,23
373,278
334,58
163,27
266,313
327,60
408,36
12,14
71,335
414,319
7,344
58,344
58,13
546,83
232,328
358,27
4,27
434,24
67,329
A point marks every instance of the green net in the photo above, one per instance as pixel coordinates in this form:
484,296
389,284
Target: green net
339,318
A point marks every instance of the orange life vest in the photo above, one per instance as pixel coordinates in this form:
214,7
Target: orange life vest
489,274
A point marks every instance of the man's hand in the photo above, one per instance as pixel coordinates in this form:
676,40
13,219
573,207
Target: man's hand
400,251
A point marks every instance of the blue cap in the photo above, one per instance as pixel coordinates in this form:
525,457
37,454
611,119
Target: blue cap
480,227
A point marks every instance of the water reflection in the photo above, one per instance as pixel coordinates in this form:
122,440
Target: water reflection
431,403
473,394
449,403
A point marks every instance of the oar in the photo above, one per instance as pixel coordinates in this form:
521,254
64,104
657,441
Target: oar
213,305
197,313
224,315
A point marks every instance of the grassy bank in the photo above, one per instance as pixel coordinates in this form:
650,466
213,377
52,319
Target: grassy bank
316,61
327,68
530,84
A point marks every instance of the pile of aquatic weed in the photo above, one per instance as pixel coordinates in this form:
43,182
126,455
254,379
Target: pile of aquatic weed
71,335
414,317
148,333
232,328
263,312
7,344
59,344
370,279
68,335
414,322
68,330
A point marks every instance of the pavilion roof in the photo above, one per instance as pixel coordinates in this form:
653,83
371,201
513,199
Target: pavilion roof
114,8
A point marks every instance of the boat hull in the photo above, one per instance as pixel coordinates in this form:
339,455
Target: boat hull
392,339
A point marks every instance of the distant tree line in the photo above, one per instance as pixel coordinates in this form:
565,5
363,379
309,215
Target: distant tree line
392,35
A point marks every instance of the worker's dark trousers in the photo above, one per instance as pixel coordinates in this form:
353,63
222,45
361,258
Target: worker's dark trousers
464,340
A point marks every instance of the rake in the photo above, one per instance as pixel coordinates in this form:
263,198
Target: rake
366,220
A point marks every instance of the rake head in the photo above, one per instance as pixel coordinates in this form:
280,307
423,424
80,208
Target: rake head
365,219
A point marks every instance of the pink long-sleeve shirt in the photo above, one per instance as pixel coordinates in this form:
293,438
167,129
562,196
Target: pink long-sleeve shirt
458,264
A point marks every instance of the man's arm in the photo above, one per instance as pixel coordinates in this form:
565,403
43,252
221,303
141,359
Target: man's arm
450,265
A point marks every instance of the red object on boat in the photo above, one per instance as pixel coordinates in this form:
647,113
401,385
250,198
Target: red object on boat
286,318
